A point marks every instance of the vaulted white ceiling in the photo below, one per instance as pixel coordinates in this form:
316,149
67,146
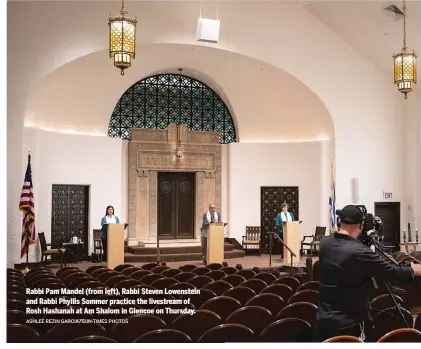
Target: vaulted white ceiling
371,30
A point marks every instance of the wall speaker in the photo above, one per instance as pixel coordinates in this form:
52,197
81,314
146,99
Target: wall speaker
354,190
208,30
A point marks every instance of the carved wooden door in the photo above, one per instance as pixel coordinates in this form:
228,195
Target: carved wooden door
70,214
271,200
176,205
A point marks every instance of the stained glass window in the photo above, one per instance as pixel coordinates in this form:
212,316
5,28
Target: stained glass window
164,99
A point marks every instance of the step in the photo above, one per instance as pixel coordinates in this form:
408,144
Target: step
176,257
171,242
137,250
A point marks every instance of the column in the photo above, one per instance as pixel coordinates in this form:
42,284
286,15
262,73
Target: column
15,173
418,159
200,204
153,204
325,185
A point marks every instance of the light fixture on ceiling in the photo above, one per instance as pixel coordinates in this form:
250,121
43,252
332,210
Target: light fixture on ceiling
208,29
122,39
405,64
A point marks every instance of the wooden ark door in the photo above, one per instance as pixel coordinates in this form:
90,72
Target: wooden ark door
390,214
70,214
176,205
271,200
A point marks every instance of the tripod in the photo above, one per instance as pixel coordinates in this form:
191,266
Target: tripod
379,248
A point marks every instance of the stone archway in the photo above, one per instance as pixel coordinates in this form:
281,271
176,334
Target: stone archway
152,151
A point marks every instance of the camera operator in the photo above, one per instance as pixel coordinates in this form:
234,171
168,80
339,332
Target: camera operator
347,269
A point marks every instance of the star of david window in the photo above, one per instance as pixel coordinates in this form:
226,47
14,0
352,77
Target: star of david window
164,99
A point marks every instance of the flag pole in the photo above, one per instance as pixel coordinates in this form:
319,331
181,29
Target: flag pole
27,235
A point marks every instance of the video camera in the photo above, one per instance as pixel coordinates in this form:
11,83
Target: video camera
372,227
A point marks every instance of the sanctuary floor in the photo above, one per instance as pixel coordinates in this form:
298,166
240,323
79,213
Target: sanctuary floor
246,262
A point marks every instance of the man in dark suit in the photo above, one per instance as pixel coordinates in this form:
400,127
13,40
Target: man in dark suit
210,216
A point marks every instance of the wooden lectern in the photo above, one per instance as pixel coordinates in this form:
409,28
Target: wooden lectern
115,244
215,246
292,238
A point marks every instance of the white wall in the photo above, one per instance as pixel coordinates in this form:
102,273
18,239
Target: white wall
253,165
99,162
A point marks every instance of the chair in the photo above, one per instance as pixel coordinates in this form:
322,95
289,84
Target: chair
64,269
160,284
255,284
121,267
187,268
97,236
103,277
319,233
181,286
102,270
301,310
164,336
271,302
233,279
241,294
200,298
383,302
246,273
150,278
229,270
343,339
130,270
138,275
254,317
284,291
288,330
92,339
218,287
196,325
310,285
201,271
216,274
309,296
13,304
130,283
401,335
18,333
417,324
170,273
184,276
200,281
157,298
45,252
136,326
228,333
251,241
18,296
222,305
170,317
159,269
214,266
390,320
266,277
63,333
16,317
288,280
149,266
112,281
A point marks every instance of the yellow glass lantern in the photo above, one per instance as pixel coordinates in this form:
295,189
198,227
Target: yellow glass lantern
122,39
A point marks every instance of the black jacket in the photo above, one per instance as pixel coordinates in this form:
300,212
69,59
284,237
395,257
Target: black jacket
346,271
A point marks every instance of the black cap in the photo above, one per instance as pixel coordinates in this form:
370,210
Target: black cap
350,215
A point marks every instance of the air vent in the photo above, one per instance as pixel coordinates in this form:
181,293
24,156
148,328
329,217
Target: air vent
394,11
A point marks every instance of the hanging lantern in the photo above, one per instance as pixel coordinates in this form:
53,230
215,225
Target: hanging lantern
405,64
122,39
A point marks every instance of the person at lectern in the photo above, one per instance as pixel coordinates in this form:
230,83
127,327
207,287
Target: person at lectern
208,217
107,219
282,217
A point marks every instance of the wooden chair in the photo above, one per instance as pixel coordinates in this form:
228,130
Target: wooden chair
234,279
219,287
160,284
201,271
241,294
284,291
300,310
246,273
309,296
222,305
170,273
389,320
18,333
269,278
200,281
289,281
271,302
214,266
63,333
149,266
136,326
45,252
216,274
229,270
417,324
200,298
288,330
228,333
315,240
255,284
184,276
343,339
16,317
310,285
164,336
254,317
187,267
401,335
92,339
251,241
121,267
196,325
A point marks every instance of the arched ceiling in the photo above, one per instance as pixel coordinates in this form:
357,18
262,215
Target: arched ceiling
267,104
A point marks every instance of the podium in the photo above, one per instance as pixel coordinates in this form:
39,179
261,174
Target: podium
215,245
292,239
115,244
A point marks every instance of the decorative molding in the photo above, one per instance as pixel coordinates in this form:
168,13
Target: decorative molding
142,173
203,137
167,161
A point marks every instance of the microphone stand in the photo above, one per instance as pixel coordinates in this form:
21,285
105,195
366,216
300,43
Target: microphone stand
379,248
282,242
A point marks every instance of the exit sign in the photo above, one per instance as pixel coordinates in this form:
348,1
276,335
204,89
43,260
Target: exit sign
387,195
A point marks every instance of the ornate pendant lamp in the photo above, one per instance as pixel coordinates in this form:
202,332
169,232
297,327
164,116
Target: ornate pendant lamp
405,64
122,39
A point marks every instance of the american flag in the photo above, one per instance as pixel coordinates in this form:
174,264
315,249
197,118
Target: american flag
332,202
26,205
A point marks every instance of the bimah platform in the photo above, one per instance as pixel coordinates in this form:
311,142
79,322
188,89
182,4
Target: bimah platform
115,244
215,245
292,238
